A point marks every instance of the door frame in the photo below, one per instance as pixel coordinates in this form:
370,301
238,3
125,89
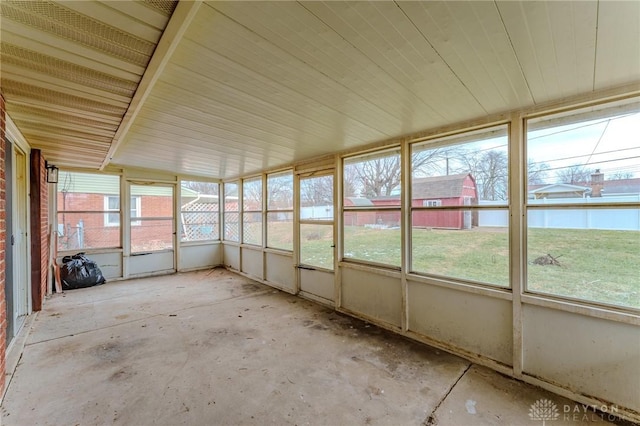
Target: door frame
17,150
125,207
299,266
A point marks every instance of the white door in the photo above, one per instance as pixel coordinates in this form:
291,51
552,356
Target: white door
316,237
19,239
152,232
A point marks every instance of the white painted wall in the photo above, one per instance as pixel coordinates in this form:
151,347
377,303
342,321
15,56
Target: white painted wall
476,323
372,295
199,256
591,356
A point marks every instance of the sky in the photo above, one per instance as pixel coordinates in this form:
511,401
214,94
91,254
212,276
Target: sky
611,145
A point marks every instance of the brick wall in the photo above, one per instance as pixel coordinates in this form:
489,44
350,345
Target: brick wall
3,305
147,235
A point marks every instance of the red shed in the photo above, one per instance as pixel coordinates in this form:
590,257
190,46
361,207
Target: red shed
440,191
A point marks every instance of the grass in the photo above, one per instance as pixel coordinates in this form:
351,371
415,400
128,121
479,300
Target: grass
595,265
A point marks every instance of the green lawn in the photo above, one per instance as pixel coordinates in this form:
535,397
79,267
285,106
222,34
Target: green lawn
595,265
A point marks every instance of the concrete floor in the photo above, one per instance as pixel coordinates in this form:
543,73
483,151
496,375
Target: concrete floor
212,347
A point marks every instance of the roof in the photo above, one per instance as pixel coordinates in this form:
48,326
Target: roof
621,186
555,188
610,187
432,187
358,201
95,183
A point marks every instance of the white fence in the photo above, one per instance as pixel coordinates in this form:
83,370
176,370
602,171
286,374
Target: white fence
614,219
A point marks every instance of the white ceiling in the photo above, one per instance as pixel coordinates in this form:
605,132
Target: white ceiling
238,87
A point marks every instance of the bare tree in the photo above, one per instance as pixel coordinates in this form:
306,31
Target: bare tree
488,168
280,191
574,175
316,191
252,194
208,188
536,172
620,175
380,176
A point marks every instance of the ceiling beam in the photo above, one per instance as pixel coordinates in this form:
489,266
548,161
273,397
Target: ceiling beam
180,20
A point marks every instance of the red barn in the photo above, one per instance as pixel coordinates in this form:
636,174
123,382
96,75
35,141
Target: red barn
437,191
441,191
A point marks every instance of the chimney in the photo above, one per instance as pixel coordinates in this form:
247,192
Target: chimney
597,183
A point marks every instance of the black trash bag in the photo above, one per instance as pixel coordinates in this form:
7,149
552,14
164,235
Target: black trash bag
78,271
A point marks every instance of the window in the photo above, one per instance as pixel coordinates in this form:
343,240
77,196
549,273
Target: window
316,222
371,200
252,211
431,203
231,212
112,204
280,211
155,218
583,204
88,212
460,212
199,211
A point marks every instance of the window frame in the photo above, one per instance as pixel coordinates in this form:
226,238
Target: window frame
225,211
219,212
451,140
135,200
528,205
384,209
269,210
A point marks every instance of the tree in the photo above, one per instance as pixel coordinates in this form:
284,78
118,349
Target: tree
380,176
207,188
316,191
574,175
488,168
280,191
536,172
620,175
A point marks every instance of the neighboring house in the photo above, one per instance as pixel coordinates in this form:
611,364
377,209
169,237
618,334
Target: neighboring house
442,191
560,190
436,191
598,187
89,213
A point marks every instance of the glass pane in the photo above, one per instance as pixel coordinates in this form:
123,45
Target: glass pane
152,229
470,245
231,197
86,191
585,254
374,177
252,228
199,211
373,236
78,231
231,227
152,235
280,191
316,198
465,169
280,230
252,194
590,155
114,202
316,241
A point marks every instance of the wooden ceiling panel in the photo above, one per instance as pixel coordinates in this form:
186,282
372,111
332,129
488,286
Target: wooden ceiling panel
555,44
237,87
618,54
